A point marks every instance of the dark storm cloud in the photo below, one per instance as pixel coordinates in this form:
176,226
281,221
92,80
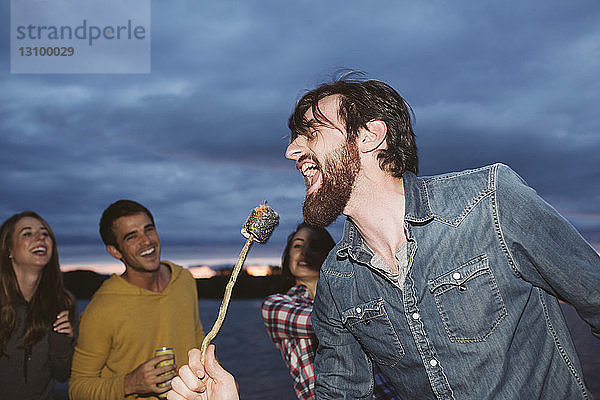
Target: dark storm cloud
200,140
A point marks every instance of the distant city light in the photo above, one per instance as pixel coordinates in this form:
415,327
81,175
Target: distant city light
202,272
259,270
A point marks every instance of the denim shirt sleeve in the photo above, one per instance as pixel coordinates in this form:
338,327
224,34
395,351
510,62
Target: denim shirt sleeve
342,370
545,250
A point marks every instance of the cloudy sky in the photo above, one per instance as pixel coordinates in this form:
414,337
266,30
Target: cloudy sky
200,139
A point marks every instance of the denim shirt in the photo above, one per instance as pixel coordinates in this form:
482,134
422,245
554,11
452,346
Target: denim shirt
477,316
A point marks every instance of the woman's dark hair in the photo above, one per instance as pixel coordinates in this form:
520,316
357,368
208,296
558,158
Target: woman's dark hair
49,299
321,242
362,101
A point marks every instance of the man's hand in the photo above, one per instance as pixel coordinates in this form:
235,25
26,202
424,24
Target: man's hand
203,382
145,377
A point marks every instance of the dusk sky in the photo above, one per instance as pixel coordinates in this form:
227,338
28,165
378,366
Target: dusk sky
200,140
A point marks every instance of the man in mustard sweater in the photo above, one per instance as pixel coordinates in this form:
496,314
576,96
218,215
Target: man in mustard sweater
152,304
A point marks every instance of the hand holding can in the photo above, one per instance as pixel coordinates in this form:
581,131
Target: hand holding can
171,361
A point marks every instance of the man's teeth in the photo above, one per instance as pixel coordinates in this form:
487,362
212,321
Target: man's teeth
147,252
309,170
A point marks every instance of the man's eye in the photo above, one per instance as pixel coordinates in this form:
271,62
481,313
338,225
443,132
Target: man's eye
309,134
26,234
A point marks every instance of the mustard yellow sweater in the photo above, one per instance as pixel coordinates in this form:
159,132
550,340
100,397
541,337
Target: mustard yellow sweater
122,326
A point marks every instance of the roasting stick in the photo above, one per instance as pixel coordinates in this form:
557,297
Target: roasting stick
258,226
228,289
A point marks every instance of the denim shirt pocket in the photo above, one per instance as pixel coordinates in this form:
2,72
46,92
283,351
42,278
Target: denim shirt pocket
371,326
468,301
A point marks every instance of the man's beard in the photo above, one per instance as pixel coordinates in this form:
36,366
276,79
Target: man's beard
338,175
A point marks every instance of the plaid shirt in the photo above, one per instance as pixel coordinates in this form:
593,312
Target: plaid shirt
287,319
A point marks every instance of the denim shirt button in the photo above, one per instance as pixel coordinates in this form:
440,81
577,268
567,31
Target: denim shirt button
456,275
358,310
416,316
433,362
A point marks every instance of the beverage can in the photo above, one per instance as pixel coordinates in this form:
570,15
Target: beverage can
171,361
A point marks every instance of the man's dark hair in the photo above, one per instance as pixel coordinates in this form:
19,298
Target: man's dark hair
362,101
118,209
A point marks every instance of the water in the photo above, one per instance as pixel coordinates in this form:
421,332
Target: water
244,348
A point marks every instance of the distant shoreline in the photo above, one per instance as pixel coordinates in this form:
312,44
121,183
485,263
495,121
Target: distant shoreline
95,258
84,283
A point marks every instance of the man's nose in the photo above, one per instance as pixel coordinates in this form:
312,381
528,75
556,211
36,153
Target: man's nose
293,150
147,239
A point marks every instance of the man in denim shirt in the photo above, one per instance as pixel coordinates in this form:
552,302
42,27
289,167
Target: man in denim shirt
450,283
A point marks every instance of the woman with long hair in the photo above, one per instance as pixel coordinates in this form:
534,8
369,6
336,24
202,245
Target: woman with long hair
36,312
287,315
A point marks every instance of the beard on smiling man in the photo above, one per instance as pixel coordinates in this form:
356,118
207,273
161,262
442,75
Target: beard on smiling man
338,175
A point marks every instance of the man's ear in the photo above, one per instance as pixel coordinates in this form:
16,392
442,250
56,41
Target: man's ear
373,137
113,251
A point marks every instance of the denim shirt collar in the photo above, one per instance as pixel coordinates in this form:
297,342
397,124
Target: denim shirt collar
417,210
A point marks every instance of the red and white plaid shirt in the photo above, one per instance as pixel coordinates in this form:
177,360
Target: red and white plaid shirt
287,319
